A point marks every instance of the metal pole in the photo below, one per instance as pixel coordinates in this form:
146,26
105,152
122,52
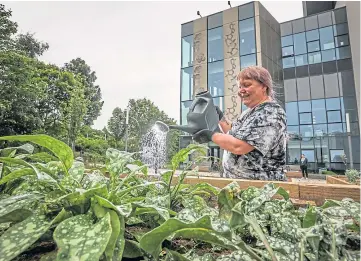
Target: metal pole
126,130
348,130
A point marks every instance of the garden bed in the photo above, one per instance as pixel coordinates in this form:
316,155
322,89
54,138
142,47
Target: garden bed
340,180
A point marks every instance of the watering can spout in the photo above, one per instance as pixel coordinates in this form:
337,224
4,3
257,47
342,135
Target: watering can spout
184,128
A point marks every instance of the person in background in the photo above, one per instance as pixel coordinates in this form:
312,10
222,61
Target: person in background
255,143
303,166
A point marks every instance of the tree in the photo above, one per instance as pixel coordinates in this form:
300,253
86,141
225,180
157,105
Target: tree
31,47
7,29
116,124
92,91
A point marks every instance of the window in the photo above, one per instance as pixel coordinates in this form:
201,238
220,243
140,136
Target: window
305,118
311,22
286,28
312,35
287,51
309,154
287,40
292,113
337,155
340,29
306,131
298,25
219,101
184,111
314,57
300,43
215,44
324,19
320,130
187,51
303,88
331,85
334,116
245,11
248,60
339,16
343,52
290,90
326,38
187,29
288,62
342,40
317,88
187,84
293,149
293,130
247,42
304,106
313,46
328,55
333,104
215,20
318,111
216,78
335,129
301,60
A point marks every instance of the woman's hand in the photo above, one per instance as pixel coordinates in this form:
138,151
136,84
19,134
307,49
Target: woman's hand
225,126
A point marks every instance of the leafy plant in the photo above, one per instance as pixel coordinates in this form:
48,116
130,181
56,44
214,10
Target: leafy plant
48,197
352,175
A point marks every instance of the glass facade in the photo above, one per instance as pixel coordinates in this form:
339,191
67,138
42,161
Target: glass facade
316,105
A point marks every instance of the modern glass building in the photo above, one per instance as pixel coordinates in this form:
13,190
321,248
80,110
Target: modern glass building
310,60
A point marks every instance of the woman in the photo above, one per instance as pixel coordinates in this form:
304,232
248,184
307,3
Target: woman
255,143
303,166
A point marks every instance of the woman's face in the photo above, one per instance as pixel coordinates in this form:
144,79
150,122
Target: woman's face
251,92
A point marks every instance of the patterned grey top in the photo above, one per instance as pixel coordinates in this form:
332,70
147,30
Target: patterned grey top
263,127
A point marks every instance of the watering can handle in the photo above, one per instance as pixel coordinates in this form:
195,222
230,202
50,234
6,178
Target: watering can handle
194,104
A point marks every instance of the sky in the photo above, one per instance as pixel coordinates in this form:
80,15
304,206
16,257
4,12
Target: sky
134,47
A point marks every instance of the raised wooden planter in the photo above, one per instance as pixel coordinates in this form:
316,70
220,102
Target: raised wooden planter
298,192
339,180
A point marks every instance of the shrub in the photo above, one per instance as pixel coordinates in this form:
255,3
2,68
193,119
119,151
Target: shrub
352,175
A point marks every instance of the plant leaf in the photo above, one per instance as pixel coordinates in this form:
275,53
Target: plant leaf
132,249
59,148
17,174
77,170
76,237
183,154
310,217
115,223
123,210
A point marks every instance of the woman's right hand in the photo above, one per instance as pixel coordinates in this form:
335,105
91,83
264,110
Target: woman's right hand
225,126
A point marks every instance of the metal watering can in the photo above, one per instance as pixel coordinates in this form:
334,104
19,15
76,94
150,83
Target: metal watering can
202,115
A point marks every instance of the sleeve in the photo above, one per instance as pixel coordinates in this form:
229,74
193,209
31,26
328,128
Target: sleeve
261,130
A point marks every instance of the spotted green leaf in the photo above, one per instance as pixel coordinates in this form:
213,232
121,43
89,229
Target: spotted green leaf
183,154
77,170
59,148
77,236
310,217
10,151
41,157
123,210
132,249
116,237
16,174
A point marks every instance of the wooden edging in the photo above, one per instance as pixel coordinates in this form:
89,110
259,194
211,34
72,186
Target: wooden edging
339,180
313,192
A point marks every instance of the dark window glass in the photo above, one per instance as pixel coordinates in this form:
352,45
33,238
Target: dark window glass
215,44
301,60
245,11
216,78
342,40
215,20
317,88
324,19
187,51
288,62
248,60
314,57
184,111
329,67
328,55
287,40
343,116
293,152
320,130
309,154
311,22
339,16
334,116
313,46
292,113
336,155
326,38
302,71
286,28
333,104
335,128
298,25
344,64
306,131
340,29
300,43
318,111
305,118
343,52
187,84
187,29
287,51
347,84
336,142
315,69
289,73
304,106
247,43
312,35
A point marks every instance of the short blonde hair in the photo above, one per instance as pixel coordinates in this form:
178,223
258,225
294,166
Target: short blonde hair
259,74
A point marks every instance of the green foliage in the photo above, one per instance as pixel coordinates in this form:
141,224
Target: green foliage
90,216
352,175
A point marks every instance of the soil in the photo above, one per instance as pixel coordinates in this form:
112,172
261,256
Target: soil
36,253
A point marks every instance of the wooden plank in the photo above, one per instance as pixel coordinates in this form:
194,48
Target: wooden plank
335,180
320,192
